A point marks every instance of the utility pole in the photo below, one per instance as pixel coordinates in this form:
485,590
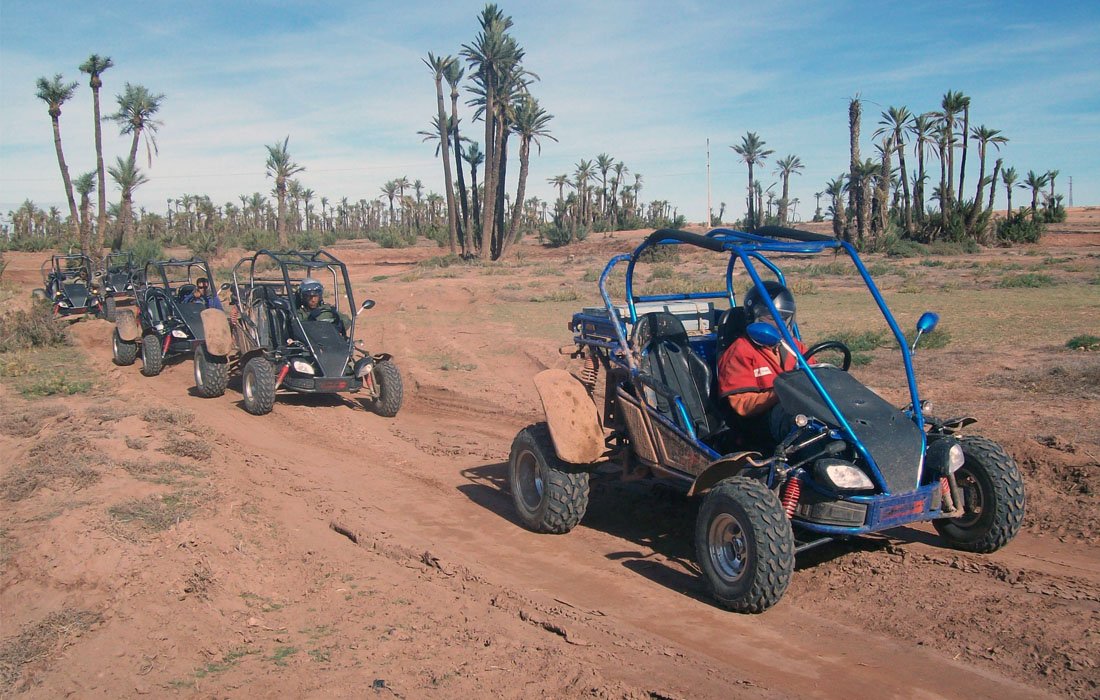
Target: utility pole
710,211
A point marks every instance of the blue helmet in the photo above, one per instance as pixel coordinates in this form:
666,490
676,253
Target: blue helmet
311,287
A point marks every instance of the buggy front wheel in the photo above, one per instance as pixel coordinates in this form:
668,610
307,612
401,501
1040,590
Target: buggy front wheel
549,495
993,499
124,352
109,307
152,356
390,389
258,385
211,373
744,545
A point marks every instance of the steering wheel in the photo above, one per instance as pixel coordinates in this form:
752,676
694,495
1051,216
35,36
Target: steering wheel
831,345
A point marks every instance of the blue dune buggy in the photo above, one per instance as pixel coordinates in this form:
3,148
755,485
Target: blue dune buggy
851,464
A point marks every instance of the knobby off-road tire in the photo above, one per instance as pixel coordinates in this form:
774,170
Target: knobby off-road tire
549,495
211,373
124,352
744,545
152,356
391,391
993,499
109,308
258,385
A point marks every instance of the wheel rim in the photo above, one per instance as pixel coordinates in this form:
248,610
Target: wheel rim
144,361
114,345
529,480
198,368
973,498
248,387
728,547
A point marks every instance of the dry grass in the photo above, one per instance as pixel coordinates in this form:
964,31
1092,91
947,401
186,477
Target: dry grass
51,464
180,446
29,423
1076,378
160,511
168,417
40,641
169,472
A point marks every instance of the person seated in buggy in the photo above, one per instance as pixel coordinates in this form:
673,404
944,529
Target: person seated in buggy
747,370
313,307
199,293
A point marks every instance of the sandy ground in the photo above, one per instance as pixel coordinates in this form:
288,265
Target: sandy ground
249,591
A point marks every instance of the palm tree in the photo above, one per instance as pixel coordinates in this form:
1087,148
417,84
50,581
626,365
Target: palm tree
922,127
531,122
896,120
1008,177
984,136
952,103
55,93
475,158
438,65
863,182
128,177
94,67
281,167
855,111
136,109
965,101
604,162
835,189
453,75
1034,182
993,183
752,152
390,191
84,186
1050,175
784,168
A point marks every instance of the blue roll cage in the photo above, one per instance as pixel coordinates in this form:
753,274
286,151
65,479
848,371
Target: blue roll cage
749,247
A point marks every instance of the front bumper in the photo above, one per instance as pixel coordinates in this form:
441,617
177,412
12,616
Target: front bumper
320,385
858,515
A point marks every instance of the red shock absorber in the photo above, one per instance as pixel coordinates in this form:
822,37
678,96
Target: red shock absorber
283,371
791,491
167,342
945,490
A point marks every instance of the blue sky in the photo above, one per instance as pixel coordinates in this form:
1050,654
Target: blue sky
647,82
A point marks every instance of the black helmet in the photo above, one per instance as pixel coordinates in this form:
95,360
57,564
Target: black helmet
311,287
781,296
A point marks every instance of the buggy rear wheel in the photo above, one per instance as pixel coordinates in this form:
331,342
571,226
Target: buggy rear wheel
258,386
152,356
993,499
109,306
744,545
390,389
211,373
549,495
124,352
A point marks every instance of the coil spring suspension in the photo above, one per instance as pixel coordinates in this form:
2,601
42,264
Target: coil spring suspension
590,372
791,491
945,490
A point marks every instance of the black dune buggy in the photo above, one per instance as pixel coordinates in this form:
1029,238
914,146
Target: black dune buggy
119,281
69,284
276,345
849,463
168,322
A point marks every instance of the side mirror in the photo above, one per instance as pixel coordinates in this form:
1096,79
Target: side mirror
225,286
925,324
764,334
367,305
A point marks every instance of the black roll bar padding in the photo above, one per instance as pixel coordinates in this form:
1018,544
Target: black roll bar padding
791,234
695,239
656,385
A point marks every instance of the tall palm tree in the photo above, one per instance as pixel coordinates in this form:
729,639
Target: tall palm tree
1034,182
128,177
581,177
922,127
281,167
864,182
784,168
952,103
993,183
56,93
438,65
965,102
559,181
94,67
604,162
895,120
475,158
835,189
390,191
752,152
531,124
136,109
453,75
855,112
984,136
1050,175
84,185
1008,177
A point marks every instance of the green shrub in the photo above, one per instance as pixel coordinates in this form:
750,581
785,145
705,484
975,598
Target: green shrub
903,248
557,235
203,244
146,250
1027,279
1087,343
1018,229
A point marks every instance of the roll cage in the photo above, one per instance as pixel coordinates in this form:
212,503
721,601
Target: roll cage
174,274
66,267
749,249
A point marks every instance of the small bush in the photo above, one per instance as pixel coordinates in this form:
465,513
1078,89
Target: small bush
306,240
32,329
557,235
901,248
1087,343
1027,279
56,386
180,446
146,250
158,512
661,253
1018,229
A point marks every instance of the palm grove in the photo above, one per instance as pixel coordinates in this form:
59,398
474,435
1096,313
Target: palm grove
880,200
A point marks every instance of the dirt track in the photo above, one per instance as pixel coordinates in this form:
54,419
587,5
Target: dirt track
255,594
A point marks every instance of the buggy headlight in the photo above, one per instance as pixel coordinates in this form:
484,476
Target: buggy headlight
64,304
945,456
844,476
179,333
129,286
303,367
